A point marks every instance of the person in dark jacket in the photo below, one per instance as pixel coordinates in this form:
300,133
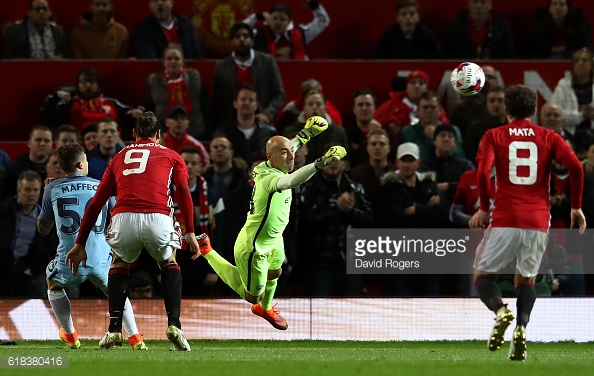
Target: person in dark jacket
36,36
162,28
479,33
407,39
331,203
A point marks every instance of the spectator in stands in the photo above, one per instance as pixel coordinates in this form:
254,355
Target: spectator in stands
401,109
490,76
494,118
179,85
442,162
52,167
177,137
364,110
559,31
107,147
479,33
407,39
22,248
332,203
140,285
368,174
287,115
197,275
163,27
575,95
90,138
280,38
226,194
411,200
551,117
247,134
246,66
98,36
314,105
66,134
40,147
87,106
422,133
36,37
4,159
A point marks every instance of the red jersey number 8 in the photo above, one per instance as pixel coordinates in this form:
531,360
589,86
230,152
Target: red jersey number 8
141,157
530,162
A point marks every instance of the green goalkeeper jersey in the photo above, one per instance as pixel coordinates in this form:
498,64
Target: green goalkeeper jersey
269,210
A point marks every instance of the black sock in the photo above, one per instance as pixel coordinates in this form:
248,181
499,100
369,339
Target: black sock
489,292
526,294
117,291
171,285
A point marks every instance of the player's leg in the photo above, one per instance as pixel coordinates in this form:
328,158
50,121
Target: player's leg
161,245
276,259
61,304
493,253
129,323
529,256
126,244
225,270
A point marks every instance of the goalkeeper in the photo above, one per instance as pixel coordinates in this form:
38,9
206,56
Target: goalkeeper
259,249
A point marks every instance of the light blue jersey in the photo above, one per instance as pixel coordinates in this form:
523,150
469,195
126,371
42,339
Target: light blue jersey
64,202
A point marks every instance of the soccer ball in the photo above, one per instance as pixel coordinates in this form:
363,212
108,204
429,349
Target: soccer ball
468,79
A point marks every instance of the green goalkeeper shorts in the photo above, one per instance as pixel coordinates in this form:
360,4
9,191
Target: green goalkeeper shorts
253,267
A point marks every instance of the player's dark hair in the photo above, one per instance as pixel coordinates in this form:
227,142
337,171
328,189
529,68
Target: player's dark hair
364,92
147,125
520,101
69,155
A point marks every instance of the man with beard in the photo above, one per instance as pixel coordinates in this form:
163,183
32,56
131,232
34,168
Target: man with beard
87,106
246,66
98,36
163,27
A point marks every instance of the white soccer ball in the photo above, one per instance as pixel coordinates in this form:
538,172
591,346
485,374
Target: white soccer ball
468,79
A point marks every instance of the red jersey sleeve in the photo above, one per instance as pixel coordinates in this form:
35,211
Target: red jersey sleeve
485,157
566,156
105,190
180,179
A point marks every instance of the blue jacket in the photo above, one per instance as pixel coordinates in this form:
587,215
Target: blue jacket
98,162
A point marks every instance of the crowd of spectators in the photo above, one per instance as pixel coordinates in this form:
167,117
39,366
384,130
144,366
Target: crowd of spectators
409,161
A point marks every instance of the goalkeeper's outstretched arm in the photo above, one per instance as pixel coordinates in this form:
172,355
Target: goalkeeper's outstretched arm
300,176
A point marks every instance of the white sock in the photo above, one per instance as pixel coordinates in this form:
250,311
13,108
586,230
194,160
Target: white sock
61,307
128,320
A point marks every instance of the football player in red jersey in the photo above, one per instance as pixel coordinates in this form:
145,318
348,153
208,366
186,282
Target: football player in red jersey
522,153
141,177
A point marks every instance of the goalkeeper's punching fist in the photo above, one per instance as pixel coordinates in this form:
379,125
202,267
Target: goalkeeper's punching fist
313,127
333,155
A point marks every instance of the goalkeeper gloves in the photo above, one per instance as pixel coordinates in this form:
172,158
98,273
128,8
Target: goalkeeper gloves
333,155
313,127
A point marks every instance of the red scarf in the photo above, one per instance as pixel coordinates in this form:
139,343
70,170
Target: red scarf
84,112
296,41
178,92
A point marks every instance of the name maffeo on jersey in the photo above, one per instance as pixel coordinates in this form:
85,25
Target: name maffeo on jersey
79,187
521,132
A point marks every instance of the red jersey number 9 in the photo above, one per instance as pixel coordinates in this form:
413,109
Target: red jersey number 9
139,156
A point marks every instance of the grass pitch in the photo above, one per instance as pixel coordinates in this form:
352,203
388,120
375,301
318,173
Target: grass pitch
309,358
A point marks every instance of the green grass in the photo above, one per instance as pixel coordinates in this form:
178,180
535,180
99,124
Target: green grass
310,358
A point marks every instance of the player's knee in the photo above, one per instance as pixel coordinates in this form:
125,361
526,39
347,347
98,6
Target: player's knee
118,263
168,262
478,275
274,274
51,286
253,299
